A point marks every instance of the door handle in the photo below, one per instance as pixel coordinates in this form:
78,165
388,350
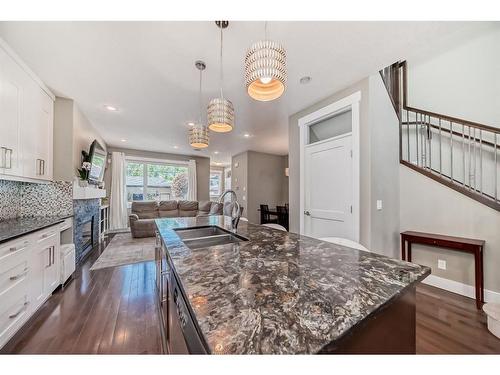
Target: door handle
43,167
307,213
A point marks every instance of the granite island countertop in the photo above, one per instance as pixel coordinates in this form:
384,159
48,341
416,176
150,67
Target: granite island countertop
13,228
280,292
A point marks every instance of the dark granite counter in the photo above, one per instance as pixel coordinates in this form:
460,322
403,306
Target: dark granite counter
281,292
14,228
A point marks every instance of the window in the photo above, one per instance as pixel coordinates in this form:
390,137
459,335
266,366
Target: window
148,181
215,183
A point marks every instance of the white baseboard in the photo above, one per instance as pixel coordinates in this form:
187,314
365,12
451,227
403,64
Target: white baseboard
460,288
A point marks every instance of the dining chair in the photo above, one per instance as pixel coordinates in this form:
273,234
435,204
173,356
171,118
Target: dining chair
344,242
282,216
265,217
275,226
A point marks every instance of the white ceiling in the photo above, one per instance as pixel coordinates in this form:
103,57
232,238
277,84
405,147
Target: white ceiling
146,69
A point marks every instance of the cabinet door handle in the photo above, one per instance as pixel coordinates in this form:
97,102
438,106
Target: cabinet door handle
3,158
43,167
9,166
53,254
19,312
18,276
50,258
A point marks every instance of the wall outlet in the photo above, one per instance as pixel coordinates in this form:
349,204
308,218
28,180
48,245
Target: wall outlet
379,204
441,264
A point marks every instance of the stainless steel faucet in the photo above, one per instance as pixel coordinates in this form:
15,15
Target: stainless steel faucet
235,218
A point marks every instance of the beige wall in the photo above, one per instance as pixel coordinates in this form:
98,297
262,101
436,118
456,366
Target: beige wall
202,168
294,157
265,182
284,187
258,179
239,172
73,133
461,82
83,135
64,169
384,170
428,206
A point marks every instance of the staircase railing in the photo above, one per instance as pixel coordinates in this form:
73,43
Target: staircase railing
458,153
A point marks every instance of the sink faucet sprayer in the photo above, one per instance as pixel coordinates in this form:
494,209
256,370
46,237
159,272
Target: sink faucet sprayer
235,218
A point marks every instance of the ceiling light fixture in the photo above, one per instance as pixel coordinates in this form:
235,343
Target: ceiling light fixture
265,69
220,111
246,135
198,134
216,152
191,123
123,140
176,147
111,108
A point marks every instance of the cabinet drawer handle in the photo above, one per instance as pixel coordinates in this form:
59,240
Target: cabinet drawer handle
15,248
19,312
16,277
46,235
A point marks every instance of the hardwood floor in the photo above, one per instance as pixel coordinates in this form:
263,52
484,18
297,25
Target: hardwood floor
113,310
448,323
107,311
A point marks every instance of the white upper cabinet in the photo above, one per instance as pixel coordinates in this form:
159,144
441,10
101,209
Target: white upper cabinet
12,80
26,121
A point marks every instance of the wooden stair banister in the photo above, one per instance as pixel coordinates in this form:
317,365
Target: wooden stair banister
470,140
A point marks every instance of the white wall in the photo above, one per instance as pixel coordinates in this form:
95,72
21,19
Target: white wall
463,82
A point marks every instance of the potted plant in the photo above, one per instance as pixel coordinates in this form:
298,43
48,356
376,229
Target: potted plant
84,170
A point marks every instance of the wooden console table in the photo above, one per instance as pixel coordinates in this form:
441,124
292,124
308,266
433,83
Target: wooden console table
466,245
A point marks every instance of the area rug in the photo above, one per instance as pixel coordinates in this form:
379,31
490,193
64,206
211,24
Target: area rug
123,249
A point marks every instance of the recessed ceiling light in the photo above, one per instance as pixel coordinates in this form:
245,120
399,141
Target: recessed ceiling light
123,140
111,108
305,80
191,123
176,147
216,152
246,135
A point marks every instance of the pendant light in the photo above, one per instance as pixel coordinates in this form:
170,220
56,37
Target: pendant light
220,111
198,134
265,69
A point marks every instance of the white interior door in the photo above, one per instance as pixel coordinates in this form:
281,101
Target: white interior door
328,186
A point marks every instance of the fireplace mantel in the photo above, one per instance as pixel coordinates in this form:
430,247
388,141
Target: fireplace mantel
87,192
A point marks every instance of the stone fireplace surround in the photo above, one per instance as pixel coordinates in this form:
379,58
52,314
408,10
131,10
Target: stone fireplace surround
84,210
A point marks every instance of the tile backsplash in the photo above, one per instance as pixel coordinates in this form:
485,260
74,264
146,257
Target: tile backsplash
10,199
22,199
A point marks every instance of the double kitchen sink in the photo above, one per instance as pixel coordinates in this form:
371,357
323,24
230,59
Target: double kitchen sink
206,236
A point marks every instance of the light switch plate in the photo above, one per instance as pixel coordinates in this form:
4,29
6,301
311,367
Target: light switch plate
379,204
441,264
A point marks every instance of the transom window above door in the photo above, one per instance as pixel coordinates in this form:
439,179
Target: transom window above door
338,124
148,181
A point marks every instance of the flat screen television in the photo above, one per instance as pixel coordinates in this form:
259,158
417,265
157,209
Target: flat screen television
97,156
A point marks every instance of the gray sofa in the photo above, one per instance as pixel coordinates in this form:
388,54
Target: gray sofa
143,214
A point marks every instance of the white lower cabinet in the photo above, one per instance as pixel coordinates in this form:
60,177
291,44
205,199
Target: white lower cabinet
29,273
